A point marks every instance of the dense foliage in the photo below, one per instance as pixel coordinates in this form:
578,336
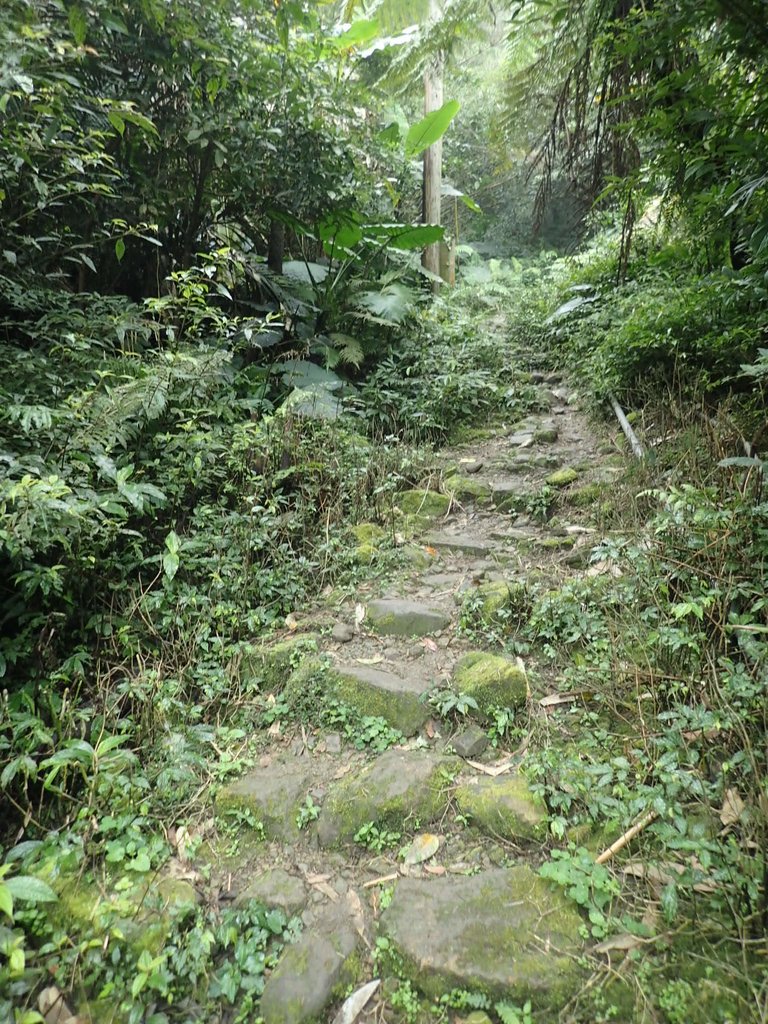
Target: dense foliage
219,352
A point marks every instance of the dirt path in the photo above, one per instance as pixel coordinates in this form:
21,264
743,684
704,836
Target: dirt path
426,854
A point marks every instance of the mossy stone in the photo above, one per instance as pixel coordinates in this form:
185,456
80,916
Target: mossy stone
556,543
401,786
418,557
423,503
495,601
504,807
491,680
369,539
273,795
380,694
584,496
272,663
405,618
562,477
505,933
468,488
547,435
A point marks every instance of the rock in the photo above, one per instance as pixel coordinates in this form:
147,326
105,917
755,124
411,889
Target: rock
333,743
177,893
373,692
582,497
369,539
470,742
399,786
405,618
271,664
426,504
273,794
546,435
492,681
470,465
563,395
562,477
496,601
503,807
467,488
342,633
458,542
309,971
506,488
276,888
523,438
418,556
555,543
503,932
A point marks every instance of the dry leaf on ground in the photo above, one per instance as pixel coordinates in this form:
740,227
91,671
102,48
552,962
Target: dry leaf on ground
733,807
422,848
353,1006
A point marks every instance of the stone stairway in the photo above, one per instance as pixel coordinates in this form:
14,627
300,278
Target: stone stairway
463,906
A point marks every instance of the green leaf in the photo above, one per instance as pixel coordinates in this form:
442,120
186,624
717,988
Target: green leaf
358,34
117,122
119,249
6,899
30,889
78,24
405,236
430,129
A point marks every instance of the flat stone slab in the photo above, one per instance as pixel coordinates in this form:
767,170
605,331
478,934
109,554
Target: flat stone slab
276,888
504,807
459,542
503,932
309,971
373,692
405,618
400,786
273,794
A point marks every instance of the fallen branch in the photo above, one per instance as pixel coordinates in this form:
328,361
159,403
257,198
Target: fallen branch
630,834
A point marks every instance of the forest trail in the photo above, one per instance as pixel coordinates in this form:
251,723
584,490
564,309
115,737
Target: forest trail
421,861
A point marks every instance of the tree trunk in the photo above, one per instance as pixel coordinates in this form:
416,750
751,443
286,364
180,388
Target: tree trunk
433,158
276,246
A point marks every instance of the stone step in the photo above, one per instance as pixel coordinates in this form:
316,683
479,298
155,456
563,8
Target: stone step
273,795
313,969
504,932
401,786
465,543
396,617
394,698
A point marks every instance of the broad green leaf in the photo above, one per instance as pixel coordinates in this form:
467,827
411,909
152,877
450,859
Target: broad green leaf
358,34
30,889
119,249
405,236
300,373
430,129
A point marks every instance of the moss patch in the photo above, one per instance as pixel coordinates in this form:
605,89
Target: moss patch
425,504
504,807
270,664
468,488
491,680
562,477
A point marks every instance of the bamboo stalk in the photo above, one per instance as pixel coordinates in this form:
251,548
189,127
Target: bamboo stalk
630,834
637,448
